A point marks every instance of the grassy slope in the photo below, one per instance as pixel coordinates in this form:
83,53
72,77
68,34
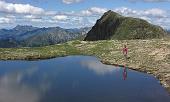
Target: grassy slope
134,28
151,56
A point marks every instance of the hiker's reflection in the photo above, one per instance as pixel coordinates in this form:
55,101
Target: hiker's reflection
124,73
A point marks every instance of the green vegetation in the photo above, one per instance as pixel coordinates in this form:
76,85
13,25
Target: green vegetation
37,52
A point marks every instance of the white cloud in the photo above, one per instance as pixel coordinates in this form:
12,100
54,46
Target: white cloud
98,67
94,11
36,20
19,8
50,13
86,12
10,16
32,17
82,21
60,17
71,1
6,20
125,11
146,18
11,89
98,10
155,12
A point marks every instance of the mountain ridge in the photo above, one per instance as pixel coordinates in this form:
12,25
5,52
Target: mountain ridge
115,26
29,36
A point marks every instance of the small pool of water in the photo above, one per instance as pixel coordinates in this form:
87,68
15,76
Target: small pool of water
76,79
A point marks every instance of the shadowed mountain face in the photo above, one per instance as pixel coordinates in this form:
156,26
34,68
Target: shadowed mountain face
28,36
115,26
17,31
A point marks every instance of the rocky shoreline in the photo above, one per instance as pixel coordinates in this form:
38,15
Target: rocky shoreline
163,81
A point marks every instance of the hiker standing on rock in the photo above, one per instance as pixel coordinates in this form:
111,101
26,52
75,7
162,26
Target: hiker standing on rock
125,51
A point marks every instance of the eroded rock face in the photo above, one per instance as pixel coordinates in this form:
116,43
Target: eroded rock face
115,26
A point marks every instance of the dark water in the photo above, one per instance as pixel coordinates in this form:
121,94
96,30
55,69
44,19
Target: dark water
76,79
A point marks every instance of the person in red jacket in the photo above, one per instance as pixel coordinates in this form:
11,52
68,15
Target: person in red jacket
125,51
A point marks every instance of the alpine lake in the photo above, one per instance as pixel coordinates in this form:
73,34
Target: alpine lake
76,79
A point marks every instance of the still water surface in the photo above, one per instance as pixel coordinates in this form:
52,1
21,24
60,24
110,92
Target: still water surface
76,79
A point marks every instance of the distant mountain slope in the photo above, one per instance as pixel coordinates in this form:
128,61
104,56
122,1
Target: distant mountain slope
28,36
17,31
54,35
115,26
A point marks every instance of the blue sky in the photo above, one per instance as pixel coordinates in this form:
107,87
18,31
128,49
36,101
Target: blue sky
79,13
